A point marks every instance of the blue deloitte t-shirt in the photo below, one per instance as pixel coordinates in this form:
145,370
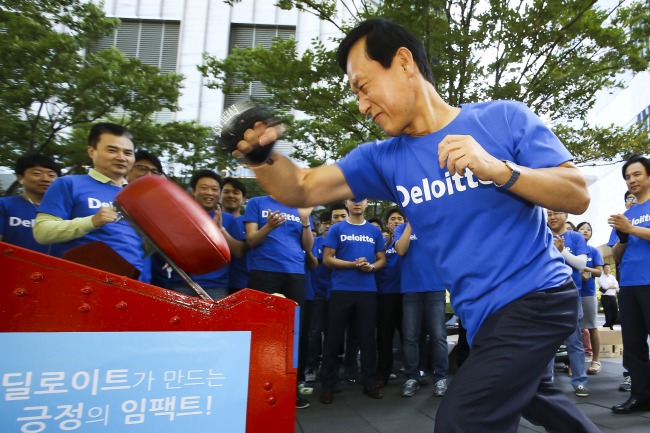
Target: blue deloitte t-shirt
351,241
80,196
463,222
575,243
220,277
239,267
635,268
321,277
417,274
389,278
594,258
17,217
281,250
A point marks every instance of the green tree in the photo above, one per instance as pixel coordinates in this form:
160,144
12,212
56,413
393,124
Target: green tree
52,89
553,55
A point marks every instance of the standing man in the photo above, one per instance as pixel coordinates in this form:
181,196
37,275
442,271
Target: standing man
424,300
35,173
79,209
479,171
233,197
609,288
633,252
206,190
354,249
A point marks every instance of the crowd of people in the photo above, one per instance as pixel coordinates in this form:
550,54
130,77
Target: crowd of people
469,221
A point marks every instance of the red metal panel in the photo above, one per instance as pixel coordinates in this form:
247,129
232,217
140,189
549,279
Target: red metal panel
39,293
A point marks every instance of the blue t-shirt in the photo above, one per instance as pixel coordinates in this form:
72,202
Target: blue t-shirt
350,242
417,274
594,258
239,267
321,277
281,250
635,265
389,278
613,238
79,196
17,217
220,277
463,221
575,243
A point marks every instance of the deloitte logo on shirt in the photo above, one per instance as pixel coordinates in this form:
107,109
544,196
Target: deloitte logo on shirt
361,238
391,251
15,222
438,188
641,219
93,203
289,217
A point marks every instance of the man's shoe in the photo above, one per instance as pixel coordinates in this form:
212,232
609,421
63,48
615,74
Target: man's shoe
441,388
350,380
392,376
372,392
631,405
327,395
310,376
301,402
381,384
581,391
626,385
410,387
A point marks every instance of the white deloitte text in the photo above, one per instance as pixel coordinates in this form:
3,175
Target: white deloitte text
438,188
93,203
641,219
358,238
288,217
15,222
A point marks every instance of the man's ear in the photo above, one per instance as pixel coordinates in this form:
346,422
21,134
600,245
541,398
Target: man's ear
91,152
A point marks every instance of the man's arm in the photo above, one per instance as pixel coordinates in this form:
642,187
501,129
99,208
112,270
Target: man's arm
618,251
306,238
596,271
403,243
311,260
576,262
380,262
50,229
255,235
333,263
236,247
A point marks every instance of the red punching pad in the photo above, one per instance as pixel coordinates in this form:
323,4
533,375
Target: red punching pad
176,223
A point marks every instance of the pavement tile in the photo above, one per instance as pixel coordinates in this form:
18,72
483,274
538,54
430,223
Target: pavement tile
605,417
344,423
415,423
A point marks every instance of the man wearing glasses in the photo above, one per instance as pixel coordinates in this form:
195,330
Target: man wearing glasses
145,163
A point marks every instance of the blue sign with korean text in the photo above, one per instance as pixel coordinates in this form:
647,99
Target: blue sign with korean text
124,381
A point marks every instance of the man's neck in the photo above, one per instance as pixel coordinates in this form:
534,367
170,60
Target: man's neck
560,231
435,112
234,212
642,196
606,274
356,219
33,197
117,178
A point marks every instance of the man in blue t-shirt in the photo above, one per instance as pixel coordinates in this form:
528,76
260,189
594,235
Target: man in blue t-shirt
479,173
573,247
233,196
206,190
354,249
633,252
424,300
35,173
389,300
77,210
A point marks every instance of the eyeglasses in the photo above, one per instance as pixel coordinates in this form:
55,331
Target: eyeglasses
146,170
630,199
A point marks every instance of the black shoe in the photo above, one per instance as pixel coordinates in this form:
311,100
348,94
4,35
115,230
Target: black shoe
301,402
372,392
327,395
631,405
350,380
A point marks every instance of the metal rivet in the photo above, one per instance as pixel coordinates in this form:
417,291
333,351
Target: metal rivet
268,299
272,401
84,308
121,306
20,293
110,279
9,251
36,277
175,320
268,386
87,290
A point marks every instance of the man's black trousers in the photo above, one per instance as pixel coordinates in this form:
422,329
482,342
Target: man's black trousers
634,304
610,306
506,375
389,319
342,305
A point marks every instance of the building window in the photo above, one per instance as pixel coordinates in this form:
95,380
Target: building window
643,118
155,42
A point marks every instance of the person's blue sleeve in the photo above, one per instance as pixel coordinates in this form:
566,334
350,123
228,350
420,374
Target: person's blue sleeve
379,242
399,230
311,222
252,211
58,200
4,214
598,258
234,230
535,145
613,238
362,170
581,245
332,238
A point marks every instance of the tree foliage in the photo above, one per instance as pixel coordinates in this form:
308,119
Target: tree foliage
553,55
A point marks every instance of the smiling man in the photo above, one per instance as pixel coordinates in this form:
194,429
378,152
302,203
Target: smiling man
478,174
77,210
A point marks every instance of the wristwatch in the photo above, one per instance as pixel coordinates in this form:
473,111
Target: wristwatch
513,177
372,265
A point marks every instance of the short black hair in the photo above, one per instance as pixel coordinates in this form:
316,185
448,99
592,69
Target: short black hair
637,158
573,227
325,217
395,210
627,193
107,128
376,220
383,39
339,206
238,184
144,154
583,223
205,173
36,159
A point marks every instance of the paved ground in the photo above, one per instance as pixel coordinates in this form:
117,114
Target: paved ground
354,412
